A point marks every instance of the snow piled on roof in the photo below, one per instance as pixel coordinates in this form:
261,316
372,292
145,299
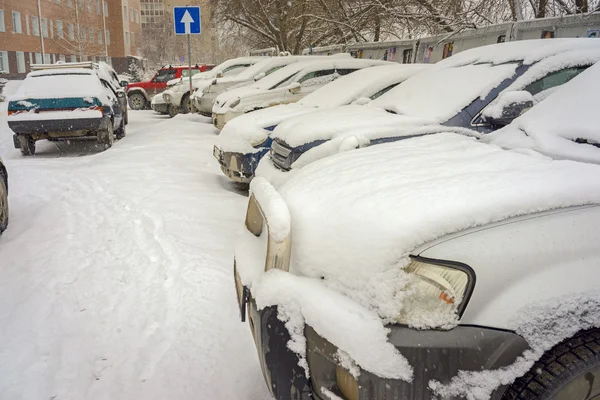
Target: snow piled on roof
365,82
553,126
543,325
38,85
356,216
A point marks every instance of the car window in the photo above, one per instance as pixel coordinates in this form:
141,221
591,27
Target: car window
382,91
165,75
316,77
186,72
273,70
345,71
234,69
554,79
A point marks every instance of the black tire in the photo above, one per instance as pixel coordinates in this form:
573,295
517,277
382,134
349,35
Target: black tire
126,117
137,101
120,133
186,104
27,145
568,371
106,137
3,204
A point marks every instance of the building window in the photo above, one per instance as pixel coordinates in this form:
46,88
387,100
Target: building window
16,22
98,7
107,36
4,67
53,58
51,29
36,26
62,57
73,58
20,62
71,32
80,4
70,3
133,38
27,24
137,16
89,4
99,37
91,36
105,9
126,37
83,34
57,1
45,27
38,58
131,17
47,59
59,29
124,13
2,26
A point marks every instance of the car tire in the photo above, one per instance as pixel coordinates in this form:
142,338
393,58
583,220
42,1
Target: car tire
120,133
568,371
173,111
186,104
106,137
3,204
27,145
136,101
126,117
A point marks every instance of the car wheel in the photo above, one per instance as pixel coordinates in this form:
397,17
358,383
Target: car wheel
106,137
568,371
120,133
27,145
173,111
3,204
136,101
186,104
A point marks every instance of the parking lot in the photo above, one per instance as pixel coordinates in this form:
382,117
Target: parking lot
116,277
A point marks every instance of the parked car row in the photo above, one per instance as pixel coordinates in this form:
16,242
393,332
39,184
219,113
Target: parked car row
423,232
68,101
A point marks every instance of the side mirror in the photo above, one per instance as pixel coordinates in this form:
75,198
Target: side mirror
294,88
361,101
219,74
507,107
123,84
120,94
259,76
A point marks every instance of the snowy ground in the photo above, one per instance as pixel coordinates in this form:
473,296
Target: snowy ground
116,270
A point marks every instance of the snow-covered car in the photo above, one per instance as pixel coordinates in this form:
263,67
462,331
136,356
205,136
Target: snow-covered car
158,104
438,266
208,90
463,91
245,140
287,85
177,97
3,197
67,101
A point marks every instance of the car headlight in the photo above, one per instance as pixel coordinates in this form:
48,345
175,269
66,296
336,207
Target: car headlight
234,103
166,97
346,383
439,290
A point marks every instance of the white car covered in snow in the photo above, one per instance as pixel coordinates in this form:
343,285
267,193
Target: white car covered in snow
177,96
204,97
244,141
438,266
287,85
481,89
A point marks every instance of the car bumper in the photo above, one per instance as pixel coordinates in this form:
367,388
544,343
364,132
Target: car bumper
162,108
239,167
173,98
205,103
434,355
41,129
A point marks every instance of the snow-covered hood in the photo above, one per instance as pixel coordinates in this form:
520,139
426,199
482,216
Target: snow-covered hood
345,121
357,216
225,98
242,133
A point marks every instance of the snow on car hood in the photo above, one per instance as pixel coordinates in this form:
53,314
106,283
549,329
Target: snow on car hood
345,121
554,126
242,133
221,102
356,216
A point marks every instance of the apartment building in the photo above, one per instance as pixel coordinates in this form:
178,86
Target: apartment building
48,31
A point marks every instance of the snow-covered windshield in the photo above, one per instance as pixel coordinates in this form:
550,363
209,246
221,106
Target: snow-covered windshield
441,93
281,75
60,85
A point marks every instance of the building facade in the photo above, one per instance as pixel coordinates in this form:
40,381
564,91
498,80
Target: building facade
47,31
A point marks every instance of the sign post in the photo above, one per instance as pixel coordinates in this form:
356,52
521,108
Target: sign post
187,22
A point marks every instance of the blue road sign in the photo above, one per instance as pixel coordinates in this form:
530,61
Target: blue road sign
187,20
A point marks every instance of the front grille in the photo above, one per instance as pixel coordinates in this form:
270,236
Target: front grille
279,155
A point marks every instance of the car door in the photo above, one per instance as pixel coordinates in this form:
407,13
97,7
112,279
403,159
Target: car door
116,107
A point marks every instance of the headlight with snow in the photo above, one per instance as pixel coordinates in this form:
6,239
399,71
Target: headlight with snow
438,292
234,103
166,97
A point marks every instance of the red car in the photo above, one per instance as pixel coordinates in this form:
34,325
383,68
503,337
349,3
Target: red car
140,94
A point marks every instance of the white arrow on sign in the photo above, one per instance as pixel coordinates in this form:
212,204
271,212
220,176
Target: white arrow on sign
187,20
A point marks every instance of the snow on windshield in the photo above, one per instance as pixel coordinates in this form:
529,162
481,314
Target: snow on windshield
556,125
276,78
441,93
62,85
350,87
